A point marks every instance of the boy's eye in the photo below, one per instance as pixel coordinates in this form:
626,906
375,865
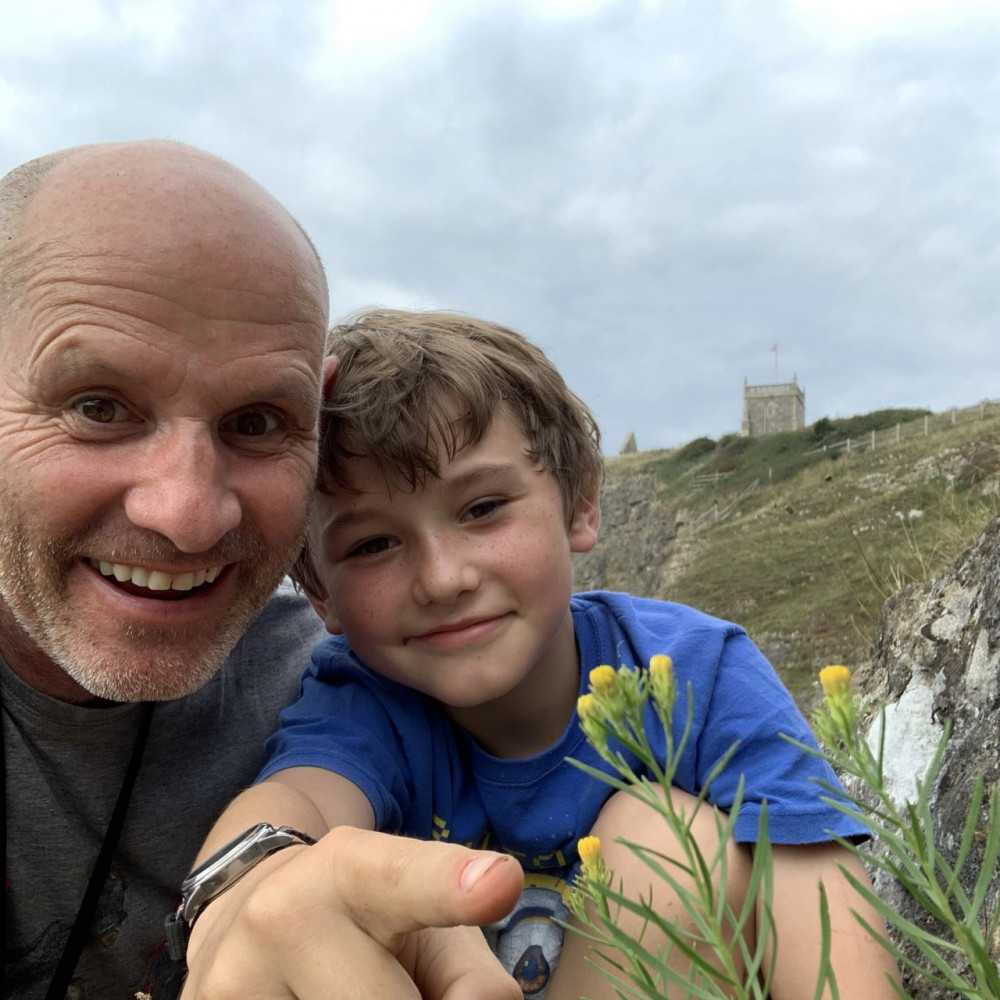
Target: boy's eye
483,508
371,547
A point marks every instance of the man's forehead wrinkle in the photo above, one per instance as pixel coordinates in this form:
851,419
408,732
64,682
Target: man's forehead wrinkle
290,373
75,351
246,307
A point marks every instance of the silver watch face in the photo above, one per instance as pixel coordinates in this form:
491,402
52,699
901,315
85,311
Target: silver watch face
227,866
231,862
224,856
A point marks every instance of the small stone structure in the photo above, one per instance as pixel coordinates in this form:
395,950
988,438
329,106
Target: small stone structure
768,409
629,447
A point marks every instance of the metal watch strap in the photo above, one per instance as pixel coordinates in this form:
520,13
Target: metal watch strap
209,881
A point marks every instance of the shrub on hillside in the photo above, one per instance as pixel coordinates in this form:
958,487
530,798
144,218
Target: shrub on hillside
696,449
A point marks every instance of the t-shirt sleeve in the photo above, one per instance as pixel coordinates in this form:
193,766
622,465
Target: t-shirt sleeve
751,711
342,722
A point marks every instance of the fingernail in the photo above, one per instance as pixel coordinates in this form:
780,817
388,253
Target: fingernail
478,867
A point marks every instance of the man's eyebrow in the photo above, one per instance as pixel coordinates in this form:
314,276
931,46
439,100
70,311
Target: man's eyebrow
294,389
78,361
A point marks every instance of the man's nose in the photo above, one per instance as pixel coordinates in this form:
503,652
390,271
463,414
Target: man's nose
444,571
182,488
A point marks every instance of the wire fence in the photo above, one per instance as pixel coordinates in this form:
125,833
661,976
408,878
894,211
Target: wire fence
921,427
717,513
875,440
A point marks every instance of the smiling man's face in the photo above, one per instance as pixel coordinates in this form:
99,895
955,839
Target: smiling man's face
159,385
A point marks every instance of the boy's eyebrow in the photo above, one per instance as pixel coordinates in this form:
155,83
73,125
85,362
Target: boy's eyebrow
356,515
470,477
464,480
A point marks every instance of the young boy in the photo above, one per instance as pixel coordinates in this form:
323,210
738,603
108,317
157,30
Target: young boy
458,476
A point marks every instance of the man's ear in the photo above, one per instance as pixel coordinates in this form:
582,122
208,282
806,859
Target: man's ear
585,523
322,605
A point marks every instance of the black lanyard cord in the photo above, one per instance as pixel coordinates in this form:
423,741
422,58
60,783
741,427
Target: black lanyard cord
78,935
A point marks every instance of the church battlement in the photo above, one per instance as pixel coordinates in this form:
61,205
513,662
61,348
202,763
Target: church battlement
770,409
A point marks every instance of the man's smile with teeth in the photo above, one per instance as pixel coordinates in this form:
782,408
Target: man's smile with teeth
157,580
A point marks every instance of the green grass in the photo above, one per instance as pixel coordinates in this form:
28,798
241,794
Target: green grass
810,557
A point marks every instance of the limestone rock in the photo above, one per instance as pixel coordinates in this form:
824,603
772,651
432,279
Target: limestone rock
937,660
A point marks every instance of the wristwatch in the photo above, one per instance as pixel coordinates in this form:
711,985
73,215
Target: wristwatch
223,869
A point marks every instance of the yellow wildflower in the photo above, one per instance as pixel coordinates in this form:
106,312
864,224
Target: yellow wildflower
661,666
836,722
590,852
661,681
593,875
835,680
586,706
602,679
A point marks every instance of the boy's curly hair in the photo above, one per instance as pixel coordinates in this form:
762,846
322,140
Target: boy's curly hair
414,385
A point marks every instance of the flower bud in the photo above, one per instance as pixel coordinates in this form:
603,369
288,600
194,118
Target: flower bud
590,852
587,707
661,681
602,679
835,680
661,665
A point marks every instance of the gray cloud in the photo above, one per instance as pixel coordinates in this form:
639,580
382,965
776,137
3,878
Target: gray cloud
655,193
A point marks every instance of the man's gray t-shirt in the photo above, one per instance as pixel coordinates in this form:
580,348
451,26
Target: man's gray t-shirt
65,765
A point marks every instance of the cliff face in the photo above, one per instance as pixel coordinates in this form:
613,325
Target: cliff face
636,546
937,663
645,543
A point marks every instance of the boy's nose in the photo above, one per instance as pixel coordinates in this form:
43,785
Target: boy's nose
182,490
444,572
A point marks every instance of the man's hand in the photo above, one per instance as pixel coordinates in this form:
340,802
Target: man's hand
360,915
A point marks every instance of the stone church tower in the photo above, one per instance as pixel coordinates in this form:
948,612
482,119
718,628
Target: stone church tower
768,409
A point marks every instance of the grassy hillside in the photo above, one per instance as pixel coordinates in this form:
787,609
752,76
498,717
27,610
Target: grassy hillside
802,545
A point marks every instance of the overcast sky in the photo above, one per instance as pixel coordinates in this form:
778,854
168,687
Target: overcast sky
659,192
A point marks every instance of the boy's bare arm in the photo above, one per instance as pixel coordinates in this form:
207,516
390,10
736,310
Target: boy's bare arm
309,799
359,914
862,967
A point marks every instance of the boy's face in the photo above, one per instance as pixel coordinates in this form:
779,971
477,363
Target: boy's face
459,589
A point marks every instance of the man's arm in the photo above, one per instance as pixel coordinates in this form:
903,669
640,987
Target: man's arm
358,914
862,967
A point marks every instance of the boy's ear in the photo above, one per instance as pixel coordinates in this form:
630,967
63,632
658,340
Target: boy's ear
330,365
324,608
586,520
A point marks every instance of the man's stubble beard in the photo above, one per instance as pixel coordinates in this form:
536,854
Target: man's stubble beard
169,662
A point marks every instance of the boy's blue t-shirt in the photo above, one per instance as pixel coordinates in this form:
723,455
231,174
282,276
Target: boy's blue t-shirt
427,778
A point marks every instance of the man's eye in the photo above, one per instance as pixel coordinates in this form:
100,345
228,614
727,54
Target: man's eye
254,423
101,409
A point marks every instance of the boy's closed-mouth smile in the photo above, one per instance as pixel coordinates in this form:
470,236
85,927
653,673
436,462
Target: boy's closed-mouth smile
461,633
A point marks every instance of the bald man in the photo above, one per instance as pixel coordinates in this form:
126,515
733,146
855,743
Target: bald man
162,321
